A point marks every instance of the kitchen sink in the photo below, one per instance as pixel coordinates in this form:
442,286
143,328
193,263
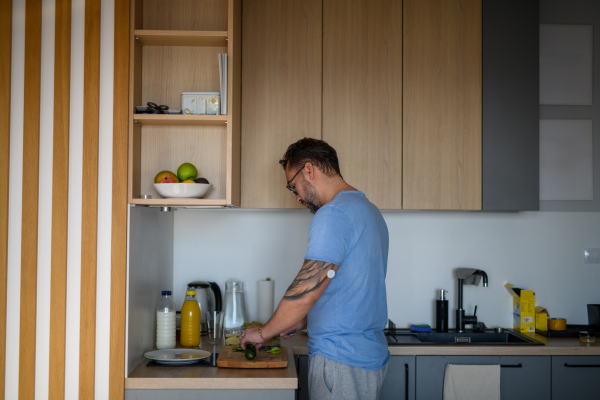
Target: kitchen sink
488,338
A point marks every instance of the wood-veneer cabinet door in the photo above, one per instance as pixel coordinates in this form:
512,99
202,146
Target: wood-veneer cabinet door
442,105
362,94
281,92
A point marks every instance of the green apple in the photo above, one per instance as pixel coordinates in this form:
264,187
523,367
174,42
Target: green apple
187,171
166,177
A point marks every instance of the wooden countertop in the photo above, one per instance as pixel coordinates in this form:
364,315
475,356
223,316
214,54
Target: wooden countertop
553,347
144,377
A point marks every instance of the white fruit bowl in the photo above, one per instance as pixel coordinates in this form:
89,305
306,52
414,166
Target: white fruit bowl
182,190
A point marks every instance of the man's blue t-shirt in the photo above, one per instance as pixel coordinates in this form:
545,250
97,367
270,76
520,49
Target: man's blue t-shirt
346,323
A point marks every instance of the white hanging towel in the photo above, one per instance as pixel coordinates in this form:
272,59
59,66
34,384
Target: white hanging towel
472,382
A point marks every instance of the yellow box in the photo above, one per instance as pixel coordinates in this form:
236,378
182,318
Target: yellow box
541,319
523,309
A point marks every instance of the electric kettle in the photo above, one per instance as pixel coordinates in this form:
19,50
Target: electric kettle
208,295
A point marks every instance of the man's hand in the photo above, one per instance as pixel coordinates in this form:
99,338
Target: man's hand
295,328
250,335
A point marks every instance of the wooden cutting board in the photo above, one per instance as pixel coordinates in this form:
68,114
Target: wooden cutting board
228,358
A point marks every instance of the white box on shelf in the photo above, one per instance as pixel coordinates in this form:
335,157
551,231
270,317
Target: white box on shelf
201,103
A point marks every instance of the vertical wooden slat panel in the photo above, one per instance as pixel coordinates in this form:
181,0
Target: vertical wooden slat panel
5,64
119,202
89,219
60,197
29,232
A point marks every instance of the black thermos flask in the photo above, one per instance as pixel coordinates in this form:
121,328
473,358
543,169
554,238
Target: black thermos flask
441,312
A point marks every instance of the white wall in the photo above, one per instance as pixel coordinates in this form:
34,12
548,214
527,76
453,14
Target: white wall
542,251
149,272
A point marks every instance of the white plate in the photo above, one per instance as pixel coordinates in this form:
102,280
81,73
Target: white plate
177,356
172,363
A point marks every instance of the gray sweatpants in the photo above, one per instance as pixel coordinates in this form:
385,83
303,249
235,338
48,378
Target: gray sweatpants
328,379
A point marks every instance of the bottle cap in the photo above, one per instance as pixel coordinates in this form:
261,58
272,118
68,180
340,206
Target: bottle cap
191,293
166,292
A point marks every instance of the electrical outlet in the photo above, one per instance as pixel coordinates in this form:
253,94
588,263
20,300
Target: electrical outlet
591,256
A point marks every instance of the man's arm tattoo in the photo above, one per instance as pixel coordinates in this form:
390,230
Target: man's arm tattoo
311,277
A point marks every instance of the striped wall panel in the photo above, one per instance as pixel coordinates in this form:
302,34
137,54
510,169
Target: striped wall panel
60,204
119,213
5,60
89,228
63,210
29,197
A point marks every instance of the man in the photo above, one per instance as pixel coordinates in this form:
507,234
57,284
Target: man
339,293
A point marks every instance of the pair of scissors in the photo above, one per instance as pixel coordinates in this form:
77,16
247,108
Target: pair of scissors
153,108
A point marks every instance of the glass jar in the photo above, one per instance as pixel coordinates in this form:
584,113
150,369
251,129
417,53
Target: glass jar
587,337
235,305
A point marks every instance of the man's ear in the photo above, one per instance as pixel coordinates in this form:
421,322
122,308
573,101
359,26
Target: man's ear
310,170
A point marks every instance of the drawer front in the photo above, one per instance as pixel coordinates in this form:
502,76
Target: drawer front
522,377
575,377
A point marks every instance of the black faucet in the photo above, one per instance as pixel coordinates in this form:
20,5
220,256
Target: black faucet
461,318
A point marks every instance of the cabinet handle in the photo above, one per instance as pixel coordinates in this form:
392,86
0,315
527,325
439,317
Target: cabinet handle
297,360
519,365
405,381
582,366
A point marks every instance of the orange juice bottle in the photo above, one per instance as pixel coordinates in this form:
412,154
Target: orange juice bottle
190,321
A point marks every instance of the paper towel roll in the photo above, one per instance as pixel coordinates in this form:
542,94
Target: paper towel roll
266,296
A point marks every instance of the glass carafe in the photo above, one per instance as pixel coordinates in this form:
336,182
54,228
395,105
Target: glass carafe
235,305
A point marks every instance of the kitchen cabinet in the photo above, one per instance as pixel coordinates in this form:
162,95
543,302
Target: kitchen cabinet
575,377
281,93
431,105
471,112
442,105
399,381
174,48
510,164
332,71
522,377
362,94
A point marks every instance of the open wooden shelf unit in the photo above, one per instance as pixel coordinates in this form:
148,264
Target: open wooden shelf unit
174,48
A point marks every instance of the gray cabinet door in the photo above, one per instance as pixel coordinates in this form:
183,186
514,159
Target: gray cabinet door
522,377
575,377
510,105
399,383
302,371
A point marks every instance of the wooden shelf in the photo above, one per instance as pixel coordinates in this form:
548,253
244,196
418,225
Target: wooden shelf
174,48
180,119
181,202
181,38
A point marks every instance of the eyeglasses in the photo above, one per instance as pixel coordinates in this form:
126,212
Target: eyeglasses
288,184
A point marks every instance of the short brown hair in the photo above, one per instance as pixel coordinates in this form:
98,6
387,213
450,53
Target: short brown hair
315,151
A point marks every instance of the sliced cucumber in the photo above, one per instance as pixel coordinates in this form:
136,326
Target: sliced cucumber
250,351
